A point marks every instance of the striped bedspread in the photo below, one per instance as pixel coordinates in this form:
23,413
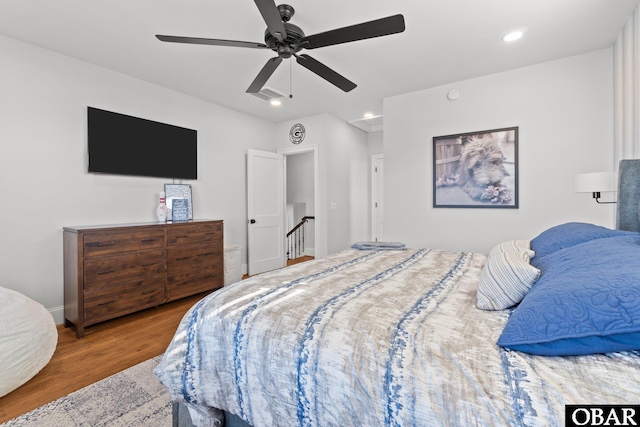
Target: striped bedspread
375,338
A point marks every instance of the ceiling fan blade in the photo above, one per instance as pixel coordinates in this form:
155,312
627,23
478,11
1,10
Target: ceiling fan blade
367,30
215,42
272,18
264,75
325,72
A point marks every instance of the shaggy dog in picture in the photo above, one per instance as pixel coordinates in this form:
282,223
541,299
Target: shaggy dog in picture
481,171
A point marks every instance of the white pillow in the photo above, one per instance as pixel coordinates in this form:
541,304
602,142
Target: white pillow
505,280
513,245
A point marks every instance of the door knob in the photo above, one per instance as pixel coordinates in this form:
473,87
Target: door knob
252,221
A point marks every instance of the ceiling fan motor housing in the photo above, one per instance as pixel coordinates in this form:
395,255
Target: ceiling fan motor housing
291,43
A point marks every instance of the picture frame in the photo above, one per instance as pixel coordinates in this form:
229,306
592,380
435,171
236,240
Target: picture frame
179,210
490,177
178,191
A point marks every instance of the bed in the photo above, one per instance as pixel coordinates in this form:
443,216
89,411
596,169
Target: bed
398,336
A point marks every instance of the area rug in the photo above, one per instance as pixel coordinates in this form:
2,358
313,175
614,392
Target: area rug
132,397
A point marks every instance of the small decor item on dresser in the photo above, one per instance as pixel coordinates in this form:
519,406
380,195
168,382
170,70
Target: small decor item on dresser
180,210
178,191
162,211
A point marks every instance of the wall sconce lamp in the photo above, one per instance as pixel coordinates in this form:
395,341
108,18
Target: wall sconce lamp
596,183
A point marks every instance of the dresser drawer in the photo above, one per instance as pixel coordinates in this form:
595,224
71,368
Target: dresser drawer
193,282
110,270
111,243
107,303
193,233
188,257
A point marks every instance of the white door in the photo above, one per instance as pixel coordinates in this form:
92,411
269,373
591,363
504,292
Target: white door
265,211
377,197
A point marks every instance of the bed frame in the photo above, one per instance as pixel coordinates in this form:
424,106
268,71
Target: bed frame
181,418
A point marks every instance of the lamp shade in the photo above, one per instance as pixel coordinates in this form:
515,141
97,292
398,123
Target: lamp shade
596,182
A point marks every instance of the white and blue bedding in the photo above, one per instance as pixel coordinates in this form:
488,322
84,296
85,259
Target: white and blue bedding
375,338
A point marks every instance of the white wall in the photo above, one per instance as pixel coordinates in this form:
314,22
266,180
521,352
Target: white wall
342,172
375,142
43,161
300,181
348,180
565,117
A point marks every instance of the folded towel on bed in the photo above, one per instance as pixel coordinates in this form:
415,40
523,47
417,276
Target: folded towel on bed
364,246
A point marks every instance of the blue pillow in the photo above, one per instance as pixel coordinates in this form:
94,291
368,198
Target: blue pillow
587,301
567,235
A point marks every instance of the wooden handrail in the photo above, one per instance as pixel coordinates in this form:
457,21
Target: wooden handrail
300,224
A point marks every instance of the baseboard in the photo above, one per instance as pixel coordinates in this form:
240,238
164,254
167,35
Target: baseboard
58,314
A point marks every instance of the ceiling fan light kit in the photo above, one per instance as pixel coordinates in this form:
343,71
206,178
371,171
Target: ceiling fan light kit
287,40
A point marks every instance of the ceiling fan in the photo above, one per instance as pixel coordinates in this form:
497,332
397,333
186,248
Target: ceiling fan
287,40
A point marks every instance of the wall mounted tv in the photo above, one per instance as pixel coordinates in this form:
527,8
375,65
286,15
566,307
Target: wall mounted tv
126,145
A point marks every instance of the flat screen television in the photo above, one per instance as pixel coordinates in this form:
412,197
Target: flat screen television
125,145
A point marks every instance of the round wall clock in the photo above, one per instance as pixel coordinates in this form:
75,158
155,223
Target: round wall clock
297,133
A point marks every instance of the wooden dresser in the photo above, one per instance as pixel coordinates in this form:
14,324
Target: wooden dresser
113,270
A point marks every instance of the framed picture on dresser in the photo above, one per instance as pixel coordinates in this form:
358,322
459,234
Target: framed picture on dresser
178,191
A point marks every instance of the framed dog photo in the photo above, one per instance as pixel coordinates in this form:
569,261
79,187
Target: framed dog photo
476,169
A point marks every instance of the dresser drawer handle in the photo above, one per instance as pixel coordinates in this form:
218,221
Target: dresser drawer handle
106,272
100,244
207,254
107,303
149,264
181,237
183,258
209,276
148,240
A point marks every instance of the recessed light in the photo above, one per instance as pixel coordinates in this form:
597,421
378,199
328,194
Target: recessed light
368,115
276,102
513,36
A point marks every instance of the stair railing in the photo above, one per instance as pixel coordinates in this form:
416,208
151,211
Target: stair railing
295,239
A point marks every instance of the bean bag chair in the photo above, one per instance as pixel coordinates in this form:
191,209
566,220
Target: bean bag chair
28,338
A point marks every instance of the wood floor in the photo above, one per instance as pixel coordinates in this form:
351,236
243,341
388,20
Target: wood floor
106,349
299,260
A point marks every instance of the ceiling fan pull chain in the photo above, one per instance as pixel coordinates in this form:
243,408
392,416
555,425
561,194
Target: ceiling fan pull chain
290,79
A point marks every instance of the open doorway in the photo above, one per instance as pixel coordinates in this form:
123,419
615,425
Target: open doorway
301,194
266,207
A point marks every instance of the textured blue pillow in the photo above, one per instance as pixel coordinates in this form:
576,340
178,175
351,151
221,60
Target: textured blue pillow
587,301
567,235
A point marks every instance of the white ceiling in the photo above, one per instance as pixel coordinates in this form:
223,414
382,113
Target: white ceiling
445,41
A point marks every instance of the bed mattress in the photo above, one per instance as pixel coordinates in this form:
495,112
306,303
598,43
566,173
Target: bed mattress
375,338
